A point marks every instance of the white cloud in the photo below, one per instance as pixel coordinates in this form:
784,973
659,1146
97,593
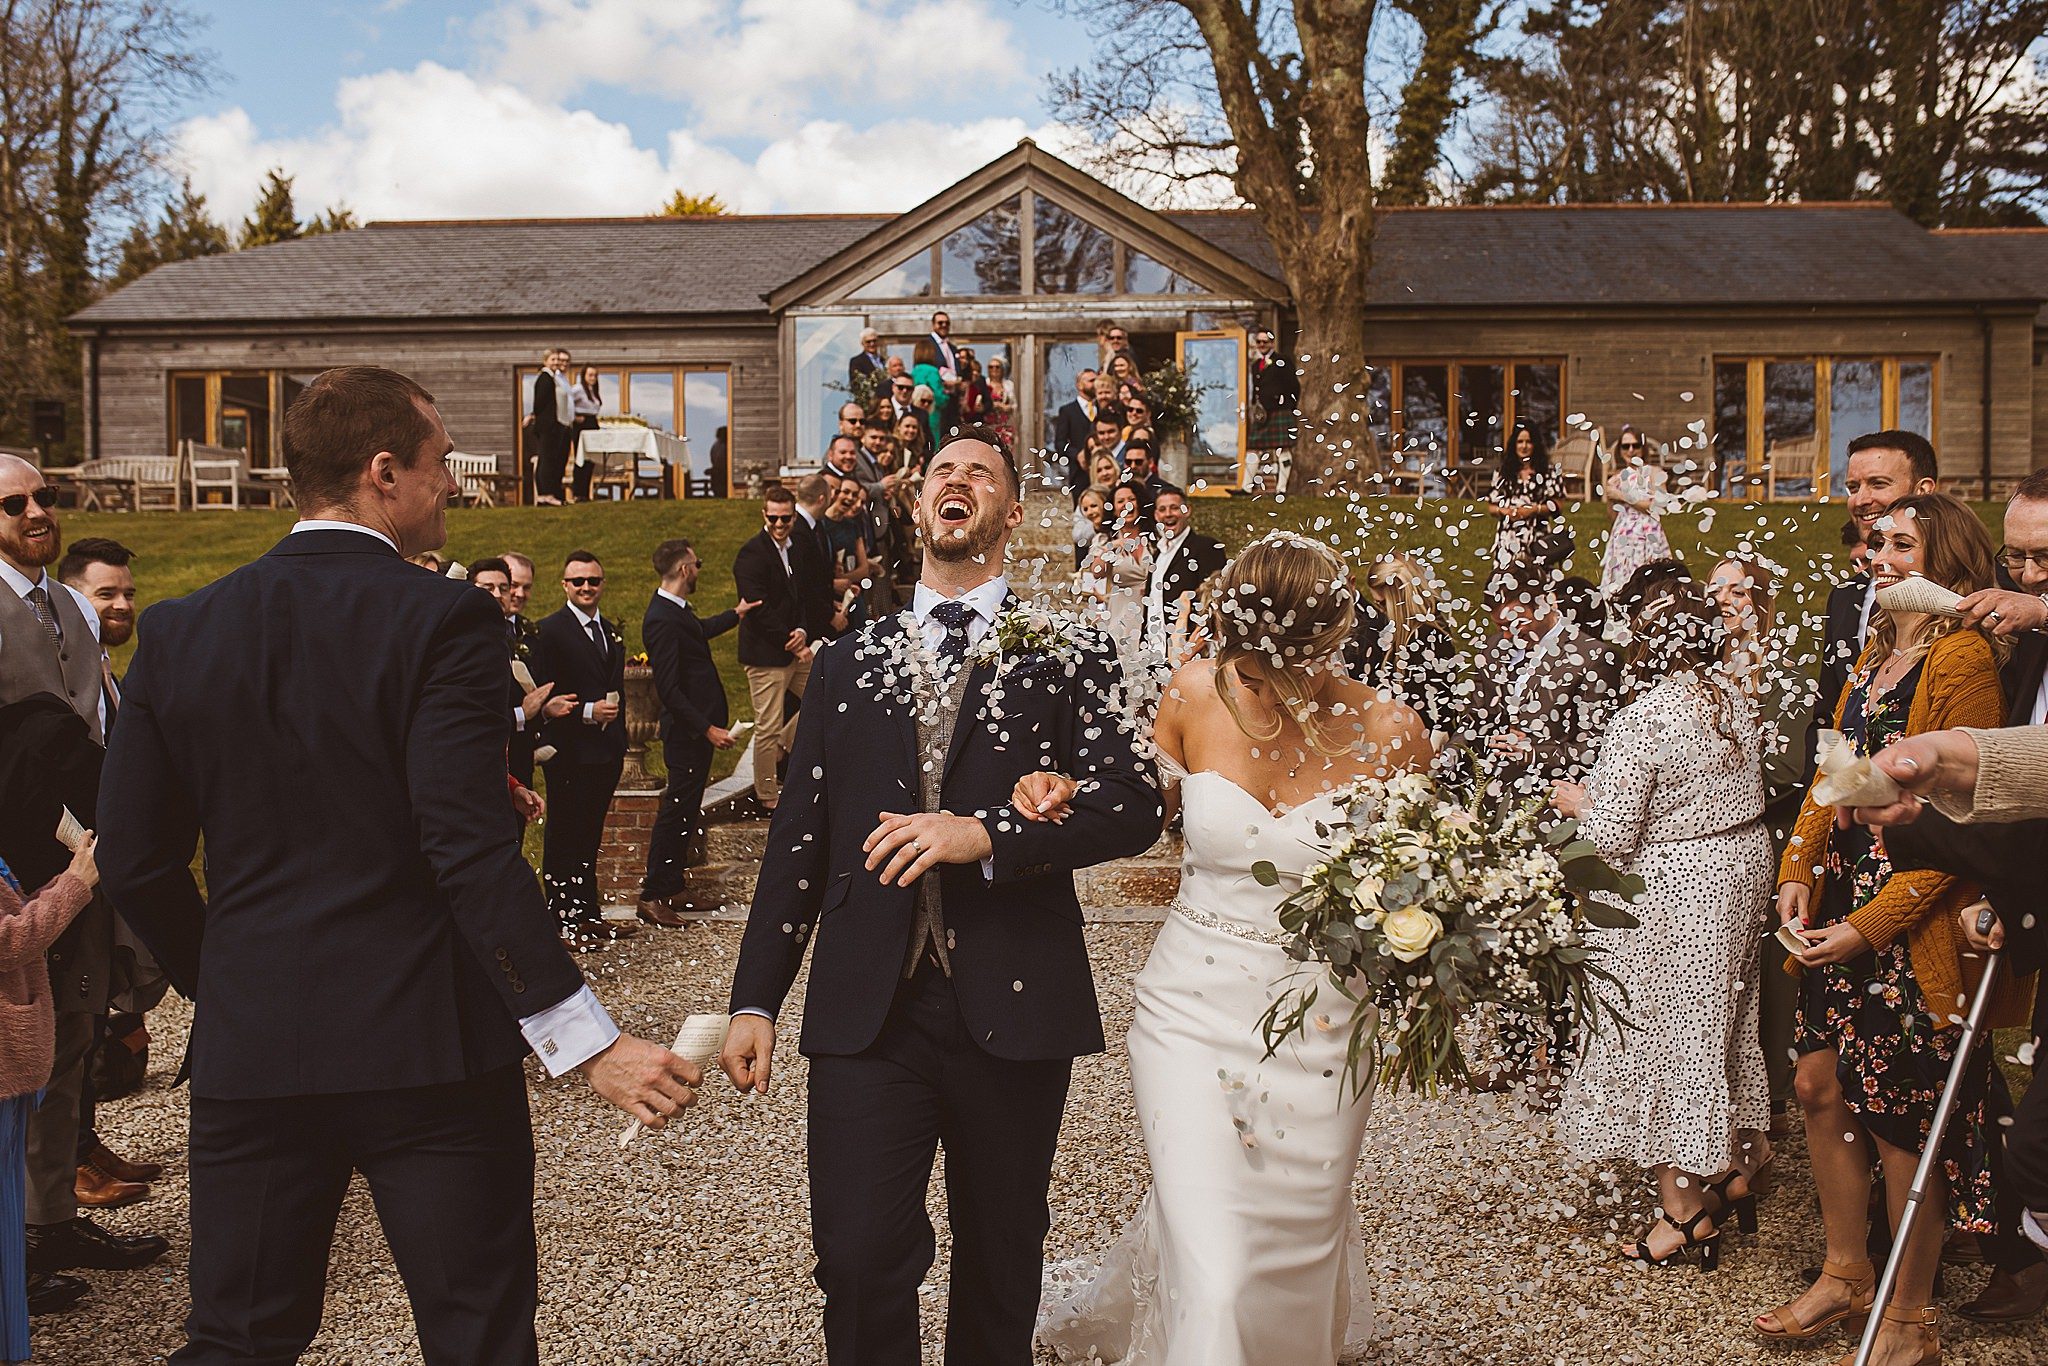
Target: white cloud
752,68
436,143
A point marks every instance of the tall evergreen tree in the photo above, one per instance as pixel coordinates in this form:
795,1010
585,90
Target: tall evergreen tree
338,218
184,231
276,217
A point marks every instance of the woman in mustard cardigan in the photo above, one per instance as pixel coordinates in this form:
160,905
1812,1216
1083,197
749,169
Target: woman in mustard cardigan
1882,994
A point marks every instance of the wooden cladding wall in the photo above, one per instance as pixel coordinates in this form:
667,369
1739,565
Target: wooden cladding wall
470,373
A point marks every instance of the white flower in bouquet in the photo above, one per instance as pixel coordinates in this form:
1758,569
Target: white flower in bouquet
1410,931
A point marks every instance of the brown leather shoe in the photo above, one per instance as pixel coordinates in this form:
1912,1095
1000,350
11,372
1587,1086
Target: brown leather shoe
658,911
2010,1299
120,1168
95,1189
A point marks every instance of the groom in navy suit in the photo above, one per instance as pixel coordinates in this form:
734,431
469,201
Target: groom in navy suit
950,990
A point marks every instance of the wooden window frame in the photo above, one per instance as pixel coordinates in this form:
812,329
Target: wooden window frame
1758,477
1397,423
679,373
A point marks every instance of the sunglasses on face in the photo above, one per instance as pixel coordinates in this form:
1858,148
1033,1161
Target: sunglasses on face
1630,446
14,504
778,518
592,581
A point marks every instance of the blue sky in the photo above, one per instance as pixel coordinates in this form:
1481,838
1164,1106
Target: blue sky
440,108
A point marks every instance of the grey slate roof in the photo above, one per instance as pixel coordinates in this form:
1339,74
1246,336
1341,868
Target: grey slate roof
1541,256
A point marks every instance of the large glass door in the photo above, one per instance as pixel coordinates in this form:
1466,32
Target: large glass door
1215,366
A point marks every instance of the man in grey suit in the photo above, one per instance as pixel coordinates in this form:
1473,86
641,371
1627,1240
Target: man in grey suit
49,643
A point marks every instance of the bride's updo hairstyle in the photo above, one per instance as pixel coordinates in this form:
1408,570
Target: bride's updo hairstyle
1284,610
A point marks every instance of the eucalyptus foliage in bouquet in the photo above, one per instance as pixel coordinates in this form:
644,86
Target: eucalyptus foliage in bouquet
1421,907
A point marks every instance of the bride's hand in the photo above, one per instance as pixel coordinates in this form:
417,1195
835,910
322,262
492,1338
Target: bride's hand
1044,796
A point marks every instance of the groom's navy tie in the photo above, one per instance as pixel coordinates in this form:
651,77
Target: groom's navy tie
954,616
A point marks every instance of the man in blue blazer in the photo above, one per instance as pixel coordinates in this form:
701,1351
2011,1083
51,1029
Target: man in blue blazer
370,959
694,720
950,990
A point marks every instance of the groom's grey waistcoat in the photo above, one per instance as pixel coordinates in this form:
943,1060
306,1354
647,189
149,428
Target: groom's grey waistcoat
934,741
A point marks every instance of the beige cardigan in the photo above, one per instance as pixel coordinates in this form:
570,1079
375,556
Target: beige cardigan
2012,777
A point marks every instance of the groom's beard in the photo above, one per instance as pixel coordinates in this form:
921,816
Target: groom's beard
978,542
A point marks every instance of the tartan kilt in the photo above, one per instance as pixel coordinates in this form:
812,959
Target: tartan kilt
1271,431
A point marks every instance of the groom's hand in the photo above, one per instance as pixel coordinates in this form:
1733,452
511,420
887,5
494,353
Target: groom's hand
644,1079
749,1052
904,847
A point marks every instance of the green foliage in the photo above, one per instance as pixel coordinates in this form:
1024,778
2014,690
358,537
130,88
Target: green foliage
338,218
1176,399
185,231
275,217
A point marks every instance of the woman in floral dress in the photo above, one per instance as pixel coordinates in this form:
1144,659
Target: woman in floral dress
1882,985
1527,497
1634,490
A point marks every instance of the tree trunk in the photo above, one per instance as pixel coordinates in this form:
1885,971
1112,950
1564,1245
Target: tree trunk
1334,446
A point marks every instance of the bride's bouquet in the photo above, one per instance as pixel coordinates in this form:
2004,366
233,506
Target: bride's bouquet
1421,907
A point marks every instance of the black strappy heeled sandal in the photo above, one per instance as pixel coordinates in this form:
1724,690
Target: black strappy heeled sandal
1709,1247
1744,1207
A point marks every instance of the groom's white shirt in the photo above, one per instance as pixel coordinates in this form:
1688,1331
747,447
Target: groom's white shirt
572,1031
987,601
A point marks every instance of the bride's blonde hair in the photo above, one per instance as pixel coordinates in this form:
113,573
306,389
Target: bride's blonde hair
1285,609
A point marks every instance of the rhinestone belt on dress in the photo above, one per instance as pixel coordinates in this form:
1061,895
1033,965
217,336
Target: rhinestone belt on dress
1229,927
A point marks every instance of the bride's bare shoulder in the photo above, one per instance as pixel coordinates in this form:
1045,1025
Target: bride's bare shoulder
1192,684
1381,724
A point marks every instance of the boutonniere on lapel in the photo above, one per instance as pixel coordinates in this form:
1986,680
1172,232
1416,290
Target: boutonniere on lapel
615,639
1025,629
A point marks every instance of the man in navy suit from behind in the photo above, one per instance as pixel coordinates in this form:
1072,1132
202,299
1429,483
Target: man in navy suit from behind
370,960
694,720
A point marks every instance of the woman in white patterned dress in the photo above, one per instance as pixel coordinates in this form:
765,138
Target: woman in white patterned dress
1634,491
1246,1250
1677,797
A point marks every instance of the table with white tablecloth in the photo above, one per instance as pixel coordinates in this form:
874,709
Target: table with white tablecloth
620,450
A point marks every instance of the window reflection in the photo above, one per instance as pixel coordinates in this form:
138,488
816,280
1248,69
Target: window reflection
1855,406
1731,425
910,280
1070,255
707,410
824,344
1916,397
1143,275
1425,420
1539,388
652,394
983,257
1214,368
1482,400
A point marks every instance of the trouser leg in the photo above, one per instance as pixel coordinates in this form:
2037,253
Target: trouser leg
766,690
680,817
451,1171
874,1129
53,1128
267,1181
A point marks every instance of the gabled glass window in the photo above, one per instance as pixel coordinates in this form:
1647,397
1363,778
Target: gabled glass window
1143,275
911,280
985,256
1069,254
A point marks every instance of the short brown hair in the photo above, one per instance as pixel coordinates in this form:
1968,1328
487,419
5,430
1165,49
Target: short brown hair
777,493
2034,487
988,436
668,555
344,418
581,557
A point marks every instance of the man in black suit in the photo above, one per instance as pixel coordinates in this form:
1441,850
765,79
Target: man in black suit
1181,560
953,992
372,954
1141,472
693,720
584,656
549,420
1884,468
530,709
776,637
1072,429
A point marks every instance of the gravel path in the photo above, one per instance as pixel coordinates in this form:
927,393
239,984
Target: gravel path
693,1246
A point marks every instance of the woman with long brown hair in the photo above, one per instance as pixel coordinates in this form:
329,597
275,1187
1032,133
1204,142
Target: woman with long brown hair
1677,797
1247,1249
1881,976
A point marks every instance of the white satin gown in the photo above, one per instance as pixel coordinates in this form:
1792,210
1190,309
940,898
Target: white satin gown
1246,1251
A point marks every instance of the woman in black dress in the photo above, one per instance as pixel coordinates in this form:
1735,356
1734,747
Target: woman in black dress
1527,497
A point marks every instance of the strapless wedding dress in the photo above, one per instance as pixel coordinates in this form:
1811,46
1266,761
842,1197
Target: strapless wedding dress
1246,1251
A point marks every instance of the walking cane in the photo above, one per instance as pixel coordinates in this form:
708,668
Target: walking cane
1929,1156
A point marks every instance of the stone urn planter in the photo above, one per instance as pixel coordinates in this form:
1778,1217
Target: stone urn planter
643,726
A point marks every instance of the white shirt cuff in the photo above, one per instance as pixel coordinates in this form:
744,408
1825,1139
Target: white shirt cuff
569,1033
988,869
755,1010
2030,1224
588,707
518,719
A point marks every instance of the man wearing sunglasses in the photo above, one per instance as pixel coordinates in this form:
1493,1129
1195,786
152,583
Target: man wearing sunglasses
49,643
584,656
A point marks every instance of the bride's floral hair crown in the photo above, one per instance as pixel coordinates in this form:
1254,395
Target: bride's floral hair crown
1285,610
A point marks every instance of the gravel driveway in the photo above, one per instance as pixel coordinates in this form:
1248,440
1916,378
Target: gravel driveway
692,1247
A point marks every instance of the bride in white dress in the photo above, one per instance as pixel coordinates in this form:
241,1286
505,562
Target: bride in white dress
1246,1251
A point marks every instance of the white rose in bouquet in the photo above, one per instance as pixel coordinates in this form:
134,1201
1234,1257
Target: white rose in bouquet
1410,931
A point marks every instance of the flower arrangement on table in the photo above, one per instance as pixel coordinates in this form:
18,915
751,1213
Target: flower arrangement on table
638,661
1420,908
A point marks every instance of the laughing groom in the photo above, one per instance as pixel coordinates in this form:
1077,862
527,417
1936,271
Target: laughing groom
950,989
